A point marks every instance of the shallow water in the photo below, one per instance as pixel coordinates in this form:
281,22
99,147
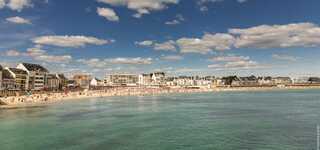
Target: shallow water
269,120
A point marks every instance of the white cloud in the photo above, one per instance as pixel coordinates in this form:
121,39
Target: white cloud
108,14
229,58
37,53
208,43
172,57
18,5
237,65
18,20
102,63
141,6
166,46
145,43
69,41
129,61
278,36
178,19
242,64
2,4
203,7
284,57
260,37
12,53
234,63
54,58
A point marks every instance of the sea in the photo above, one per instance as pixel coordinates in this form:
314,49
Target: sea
256,120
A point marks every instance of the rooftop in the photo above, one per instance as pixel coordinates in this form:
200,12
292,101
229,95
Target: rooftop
6,75
18,71
35,67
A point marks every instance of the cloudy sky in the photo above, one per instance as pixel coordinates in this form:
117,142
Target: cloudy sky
205,37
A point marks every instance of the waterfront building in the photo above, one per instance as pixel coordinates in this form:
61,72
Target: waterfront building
158,78
36,75
249,81
314,80
231,81
63,81
217,82
8,81
21,78
145,79
301,80
281,80
122,80
82,80
170,81
52,82
1,77
185,81
96,82
265,81
203,83
71,84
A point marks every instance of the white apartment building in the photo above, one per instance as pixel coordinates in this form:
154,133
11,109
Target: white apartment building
36,74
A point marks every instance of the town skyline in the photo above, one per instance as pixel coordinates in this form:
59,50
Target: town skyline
197,37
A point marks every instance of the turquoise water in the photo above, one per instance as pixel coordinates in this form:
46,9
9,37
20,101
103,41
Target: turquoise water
270,120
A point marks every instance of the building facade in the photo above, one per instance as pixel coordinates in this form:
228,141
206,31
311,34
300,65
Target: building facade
63,81
1,77
21,78
281,80
145,79
8,82
82,80
122,80
52,82
36,74
158,78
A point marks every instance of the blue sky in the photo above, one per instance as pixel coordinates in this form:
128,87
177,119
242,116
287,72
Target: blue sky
205,37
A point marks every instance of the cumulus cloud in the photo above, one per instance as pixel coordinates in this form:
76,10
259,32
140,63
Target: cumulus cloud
258,37
284,57
166,46
129,61
37,53
69,41
108,13
178,19
101,63
16,5
18,20
203,7
229,58
237,65
2,3
144,43
234,63
54,58
12,53
278,36
172,58
206,44
141,6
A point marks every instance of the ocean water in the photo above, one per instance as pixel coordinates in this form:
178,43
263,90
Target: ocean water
265,120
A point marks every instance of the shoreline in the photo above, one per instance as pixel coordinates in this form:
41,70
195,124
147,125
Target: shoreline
37,100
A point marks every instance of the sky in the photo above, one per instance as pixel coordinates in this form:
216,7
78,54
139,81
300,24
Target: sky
179,37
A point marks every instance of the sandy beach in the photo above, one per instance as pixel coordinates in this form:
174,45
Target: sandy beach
49,98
